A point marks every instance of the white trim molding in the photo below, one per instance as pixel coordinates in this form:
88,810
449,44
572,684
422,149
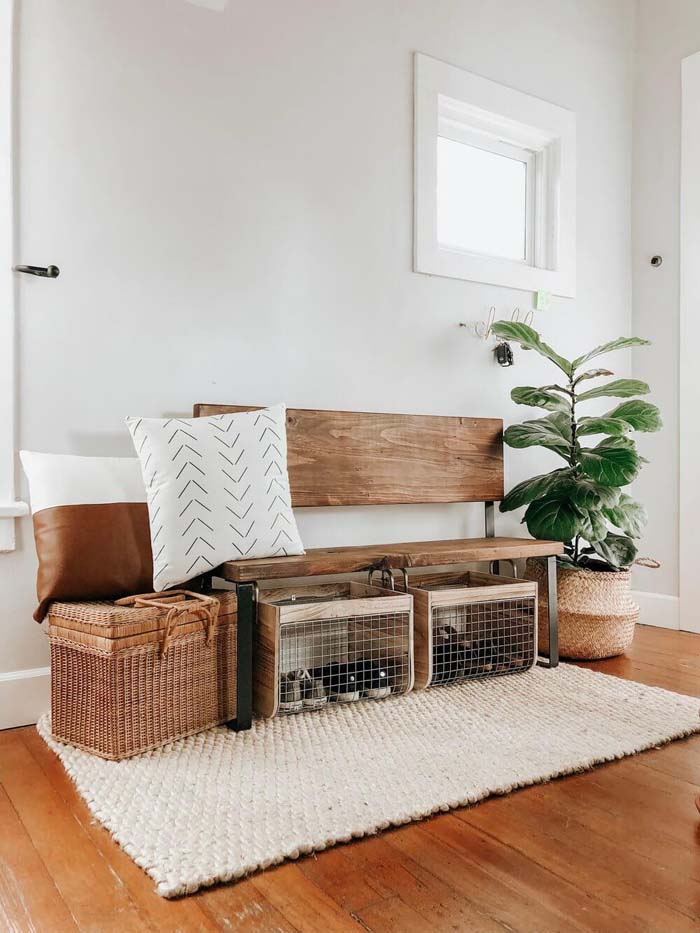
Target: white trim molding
458,105
689,388
657,609
24,696
14,509
9,508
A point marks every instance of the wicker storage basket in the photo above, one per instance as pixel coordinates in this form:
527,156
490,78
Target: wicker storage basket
470,625
597,614
128,678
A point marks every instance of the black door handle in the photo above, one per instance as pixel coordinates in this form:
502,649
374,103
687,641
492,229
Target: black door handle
47,272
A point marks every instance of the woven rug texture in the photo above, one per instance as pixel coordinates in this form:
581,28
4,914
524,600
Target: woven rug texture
216,806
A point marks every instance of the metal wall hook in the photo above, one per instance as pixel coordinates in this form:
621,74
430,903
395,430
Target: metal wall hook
483,328
527,318
46,272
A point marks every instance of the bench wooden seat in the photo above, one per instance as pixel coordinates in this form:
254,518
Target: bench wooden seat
330,560
346,458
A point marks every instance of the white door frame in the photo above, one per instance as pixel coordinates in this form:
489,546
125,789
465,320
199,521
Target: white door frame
689,341
9,507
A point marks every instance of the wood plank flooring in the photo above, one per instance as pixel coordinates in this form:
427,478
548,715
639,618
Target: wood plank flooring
616,848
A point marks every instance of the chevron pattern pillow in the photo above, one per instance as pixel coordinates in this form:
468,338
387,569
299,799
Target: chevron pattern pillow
217,490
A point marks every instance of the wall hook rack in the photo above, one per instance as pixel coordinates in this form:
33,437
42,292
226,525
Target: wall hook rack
503,351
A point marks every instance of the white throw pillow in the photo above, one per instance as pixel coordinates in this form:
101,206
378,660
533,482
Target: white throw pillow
217,490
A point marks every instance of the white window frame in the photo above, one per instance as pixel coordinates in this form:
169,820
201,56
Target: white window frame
10,509
454,103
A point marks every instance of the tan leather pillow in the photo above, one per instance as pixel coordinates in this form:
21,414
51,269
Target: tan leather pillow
90,526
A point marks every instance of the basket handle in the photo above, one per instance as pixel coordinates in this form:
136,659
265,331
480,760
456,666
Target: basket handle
175,602
387,577
650,562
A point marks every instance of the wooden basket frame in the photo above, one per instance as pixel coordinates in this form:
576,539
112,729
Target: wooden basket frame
482,587
345,601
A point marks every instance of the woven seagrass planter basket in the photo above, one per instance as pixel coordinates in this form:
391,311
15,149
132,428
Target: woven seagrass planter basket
597,614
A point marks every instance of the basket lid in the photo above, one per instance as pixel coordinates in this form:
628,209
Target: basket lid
140,615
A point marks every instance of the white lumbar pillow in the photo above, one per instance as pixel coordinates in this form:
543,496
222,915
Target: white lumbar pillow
217,490
64,479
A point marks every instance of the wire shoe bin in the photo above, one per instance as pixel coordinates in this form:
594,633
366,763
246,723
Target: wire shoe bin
331,643
469,625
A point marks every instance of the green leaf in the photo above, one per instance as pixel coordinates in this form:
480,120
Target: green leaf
639,415
594,527
604,424
553,432
592,374
557,388
553,519
529,339
635,415
585,494
621,343
629,516
610,463
530,489
540,398
625,442
618,388
618,550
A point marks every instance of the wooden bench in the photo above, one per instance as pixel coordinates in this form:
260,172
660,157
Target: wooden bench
342,458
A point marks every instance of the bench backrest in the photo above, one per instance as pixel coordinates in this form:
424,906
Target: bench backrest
364,458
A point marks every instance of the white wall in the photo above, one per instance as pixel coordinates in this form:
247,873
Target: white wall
229,199
666,33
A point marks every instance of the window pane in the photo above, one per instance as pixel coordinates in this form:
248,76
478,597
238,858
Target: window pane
481,200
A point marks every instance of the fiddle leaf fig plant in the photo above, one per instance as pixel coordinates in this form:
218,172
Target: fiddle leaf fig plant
582,503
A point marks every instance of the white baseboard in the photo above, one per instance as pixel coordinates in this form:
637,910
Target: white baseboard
24,696
658,609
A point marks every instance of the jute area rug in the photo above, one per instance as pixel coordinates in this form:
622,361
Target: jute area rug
219,805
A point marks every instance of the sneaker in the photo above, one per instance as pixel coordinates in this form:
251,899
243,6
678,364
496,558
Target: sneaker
446,656
290,692
375,681
313,691
486,655
341,682
380,685
465,659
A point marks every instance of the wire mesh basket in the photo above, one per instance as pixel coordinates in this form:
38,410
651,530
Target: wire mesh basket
331,643
470,625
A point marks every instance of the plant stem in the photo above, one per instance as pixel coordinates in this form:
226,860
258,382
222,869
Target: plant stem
574,454
573,459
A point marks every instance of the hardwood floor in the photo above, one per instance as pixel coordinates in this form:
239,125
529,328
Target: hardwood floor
616,848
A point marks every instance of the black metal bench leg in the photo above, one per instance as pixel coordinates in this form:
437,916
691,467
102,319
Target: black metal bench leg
490,531
552,614
246,593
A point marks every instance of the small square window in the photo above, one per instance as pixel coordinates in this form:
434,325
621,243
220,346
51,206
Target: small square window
495,182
